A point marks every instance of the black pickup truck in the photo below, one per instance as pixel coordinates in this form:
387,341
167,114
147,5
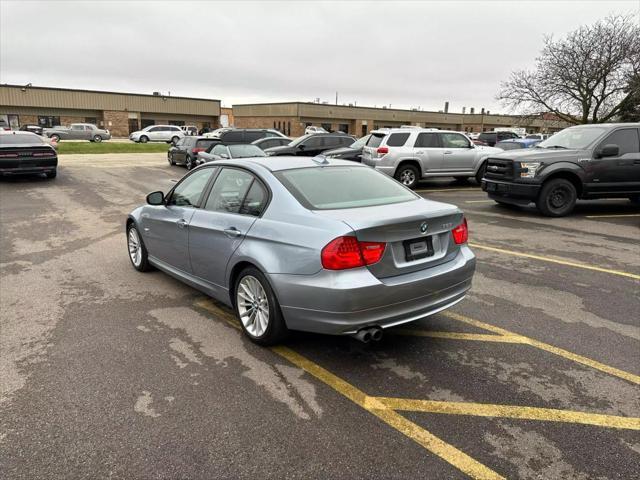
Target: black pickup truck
581,162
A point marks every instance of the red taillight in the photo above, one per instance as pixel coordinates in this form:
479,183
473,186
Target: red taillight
347,252
8,155
382,150
461,233
196,150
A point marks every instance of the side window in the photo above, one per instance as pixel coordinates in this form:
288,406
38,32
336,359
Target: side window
397,139
155,129
232,137
219,150
454,140
252,136
188,192
314,142
626,139
267,144
255,200
77,127
181,142
346,141
229,191
427,140
332,142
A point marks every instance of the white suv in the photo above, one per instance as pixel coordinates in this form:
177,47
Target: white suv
410,154
314,129
158,133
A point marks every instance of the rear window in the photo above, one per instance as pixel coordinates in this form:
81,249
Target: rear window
375,141
232,137
206,143
22,138
328,188
397,139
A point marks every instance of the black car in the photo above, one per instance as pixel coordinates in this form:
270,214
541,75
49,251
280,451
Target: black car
313,144
238,136
25,153
581,162
37,129
268,142
491,138
353,152
185,151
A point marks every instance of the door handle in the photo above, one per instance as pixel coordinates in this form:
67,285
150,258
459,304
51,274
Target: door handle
182,223
448,152
232,232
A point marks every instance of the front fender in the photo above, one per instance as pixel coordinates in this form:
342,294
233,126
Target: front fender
558,167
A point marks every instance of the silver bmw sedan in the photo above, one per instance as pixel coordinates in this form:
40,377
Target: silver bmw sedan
312,244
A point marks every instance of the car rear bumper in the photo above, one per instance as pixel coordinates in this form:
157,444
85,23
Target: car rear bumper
511,192
27,170
343,302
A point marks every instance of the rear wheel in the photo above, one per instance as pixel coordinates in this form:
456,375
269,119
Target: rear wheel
189,164
557,198
97,138
408,175
258,309
144,139
137,250
481,171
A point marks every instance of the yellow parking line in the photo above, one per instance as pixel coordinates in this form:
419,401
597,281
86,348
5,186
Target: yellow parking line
435,445
614,216
478,337
630,377
511,411
555,260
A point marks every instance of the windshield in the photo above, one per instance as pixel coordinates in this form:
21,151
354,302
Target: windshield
245,151
573,138
328,188
361,142
301,139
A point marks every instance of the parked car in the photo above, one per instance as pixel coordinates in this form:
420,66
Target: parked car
517,143
326,246
473,135
226,152
409,155
37,129
77,131
185,151
247,135
353,152
581,162
217,132
268,142
158,133
189,129
313,129
25,153
538,136
491,138
313,144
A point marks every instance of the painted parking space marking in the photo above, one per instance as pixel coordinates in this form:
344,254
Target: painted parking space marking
387,408
614,215
555,260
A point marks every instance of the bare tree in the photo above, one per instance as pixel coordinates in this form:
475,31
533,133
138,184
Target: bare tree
589,76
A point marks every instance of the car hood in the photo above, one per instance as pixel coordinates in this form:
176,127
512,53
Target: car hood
540,154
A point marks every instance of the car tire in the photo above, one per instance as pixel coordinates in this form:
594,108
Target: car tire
143,139
97,138
52,175
55,138
557,198
170,159
175,140
189,163
137,251
252,291
480,173
408,175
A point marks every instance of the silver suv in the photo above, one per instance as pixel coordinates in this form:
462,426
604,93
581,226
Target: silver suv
158,133
409,154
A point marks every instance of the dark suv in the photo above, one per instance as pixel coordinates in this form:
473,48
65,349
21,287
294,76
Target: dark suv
491,138
313,144
581,162
246,135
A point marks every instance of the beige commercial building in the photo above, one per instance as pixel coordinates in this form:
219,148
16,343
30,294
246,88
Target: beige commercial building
292,118
121,113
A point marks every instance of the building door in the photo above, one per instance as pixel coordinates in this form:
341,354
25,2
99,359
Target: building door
133,125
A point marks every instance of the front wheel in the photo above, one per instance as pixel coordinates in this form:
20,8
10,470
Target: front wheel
170,159
408,175
97,138
137,251
557,198
258,309
144,139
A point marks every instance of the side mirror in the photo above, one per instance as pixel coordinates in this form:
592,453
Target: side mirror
224,155
471,145
609,150
155,198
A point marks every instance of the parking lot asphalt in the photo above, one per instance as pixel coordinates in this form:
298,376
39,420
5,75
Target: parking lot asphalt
107,372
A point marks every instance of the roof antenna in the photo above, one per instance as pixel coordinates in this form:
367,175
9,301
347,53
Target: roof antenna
320,159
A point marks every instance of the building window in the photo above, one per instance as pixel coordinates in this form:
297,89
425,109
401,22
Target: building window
48,121
288,128
344,127
274,124
177,123
13,121
326,126
146,122
91,120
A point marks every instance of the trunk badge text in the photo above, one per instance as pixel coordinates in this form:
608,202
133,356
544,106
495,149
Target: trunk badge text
447,226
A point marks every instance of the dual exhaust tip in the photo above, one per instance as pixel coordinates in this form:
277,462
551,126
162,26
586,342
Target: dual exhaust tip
368,334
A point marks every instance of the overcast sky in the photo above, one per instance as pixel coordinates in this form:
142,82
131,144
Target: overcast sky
407,54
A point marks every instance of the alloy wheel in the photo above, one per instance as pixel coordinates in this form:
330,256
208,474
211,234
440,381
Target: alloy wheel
407,177
253,306
135,250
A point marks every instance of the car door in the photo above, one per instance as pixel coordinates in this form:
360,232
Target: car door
155,133
180,155
457,154
620,173
76,132
217,230
311,146
166,227
428,151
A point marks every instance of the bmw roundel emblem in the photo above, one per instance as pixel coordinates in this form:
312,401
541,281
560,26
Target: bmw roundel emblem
423,227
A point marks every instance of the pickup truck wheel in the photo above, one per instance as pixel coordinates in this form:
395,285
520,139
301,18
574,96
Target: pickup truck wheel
144,139
97,138
55,138
557,198
408,175
481,171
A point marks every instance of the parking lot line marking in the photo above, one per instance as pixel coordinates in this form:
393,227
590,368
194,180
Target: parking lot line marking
478,337
555,260
614,216
511,411
630,377
423,437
